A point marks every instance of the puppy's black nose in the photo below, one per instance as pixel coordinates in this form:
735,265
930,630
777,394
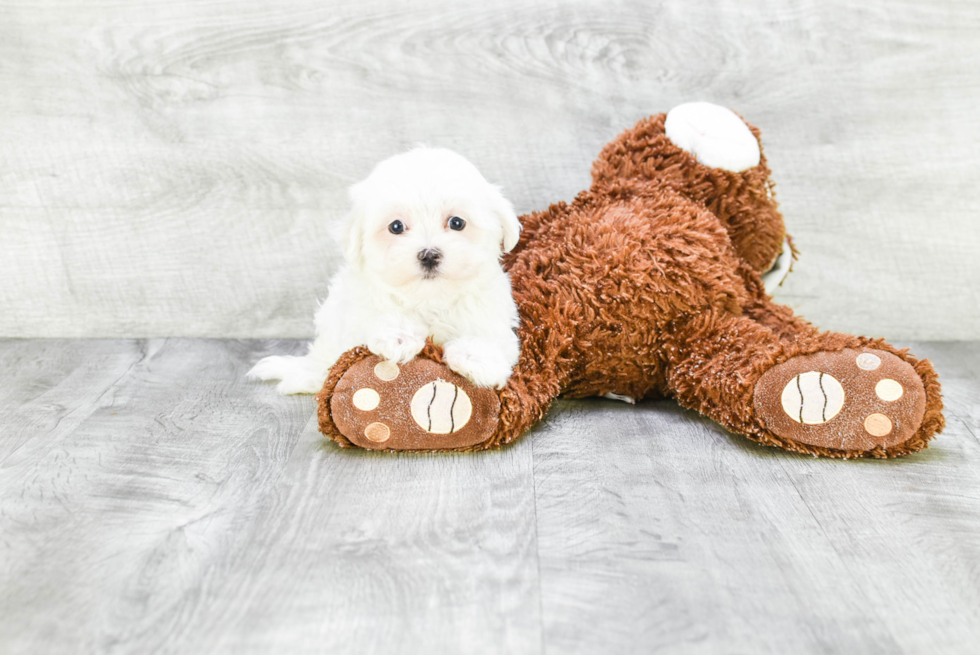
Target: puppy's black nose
429,258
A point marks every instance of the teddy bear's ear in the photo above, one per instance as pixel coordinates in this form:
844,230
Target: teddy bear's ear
508,220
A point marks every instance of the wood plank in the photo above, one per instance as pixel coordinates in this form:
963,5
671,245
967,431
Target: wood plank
172,167
192,511
660,531
54,385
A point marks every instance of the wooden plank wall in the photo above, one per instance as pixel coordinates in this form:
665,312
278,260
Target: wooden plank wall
173,167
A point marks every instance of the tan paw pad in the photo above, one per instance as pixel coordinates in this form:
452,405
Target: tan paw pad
868,361
377,432
878,425
889,390
441,408
366,399
386,371
812,398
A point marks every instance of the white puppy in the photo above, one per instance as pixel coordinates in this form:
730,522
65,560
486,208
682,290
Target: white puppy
422,245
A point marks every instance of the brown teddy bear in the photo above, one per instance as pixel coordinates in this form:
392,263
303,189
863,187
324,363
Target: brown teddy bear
648,285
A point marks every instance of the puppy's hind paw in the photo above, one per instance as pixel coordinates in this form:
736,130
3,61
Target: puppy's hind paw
296,374
268,368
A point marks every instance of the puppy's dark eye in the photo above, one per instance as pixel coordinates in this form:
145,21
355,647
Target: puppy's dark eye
456,223
396,227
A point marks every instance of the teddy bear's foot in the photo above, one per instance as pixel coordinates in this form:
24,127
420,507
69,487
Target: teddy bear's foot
421,405
715,135
853,399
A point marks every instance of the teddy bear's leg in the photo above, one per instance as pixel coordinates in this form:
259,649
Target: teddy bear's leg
823,393
780,319
422,405
376,404
711,162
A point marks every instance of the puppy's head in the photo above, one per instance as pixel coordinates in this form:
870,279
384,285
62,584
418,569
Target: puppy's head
425,218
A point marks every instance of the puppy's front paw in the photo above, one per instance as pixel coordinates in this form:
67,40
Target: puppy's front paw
396,345
296,374
479,361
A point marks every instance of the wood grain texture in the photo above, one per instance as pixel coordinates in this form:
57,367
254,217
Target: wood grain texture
174,167
153,501
671,536
178,509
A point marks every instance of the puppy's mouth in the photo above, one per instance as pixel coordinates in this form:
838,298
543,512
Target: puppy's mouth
429,274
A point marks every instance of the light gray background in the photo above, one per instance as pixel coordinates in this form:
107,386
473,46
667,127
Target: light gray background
172,168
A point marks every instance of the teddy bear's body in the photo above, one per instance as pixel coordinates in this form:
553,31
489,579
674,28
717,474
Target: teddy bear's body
648,285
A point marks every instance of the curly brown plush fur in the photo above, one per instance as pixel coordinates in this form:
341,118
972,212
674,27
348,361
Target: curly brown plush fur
647,285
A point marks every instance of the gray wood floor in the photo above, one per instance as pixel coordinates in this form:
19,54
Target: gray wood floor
152,501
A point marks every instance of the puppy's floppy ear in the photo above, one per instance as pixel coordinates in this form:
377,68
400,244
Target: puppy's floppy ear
352,229
508,219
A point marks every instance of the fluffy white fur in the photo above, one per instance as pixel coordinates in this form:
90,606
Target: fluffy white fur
384,297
